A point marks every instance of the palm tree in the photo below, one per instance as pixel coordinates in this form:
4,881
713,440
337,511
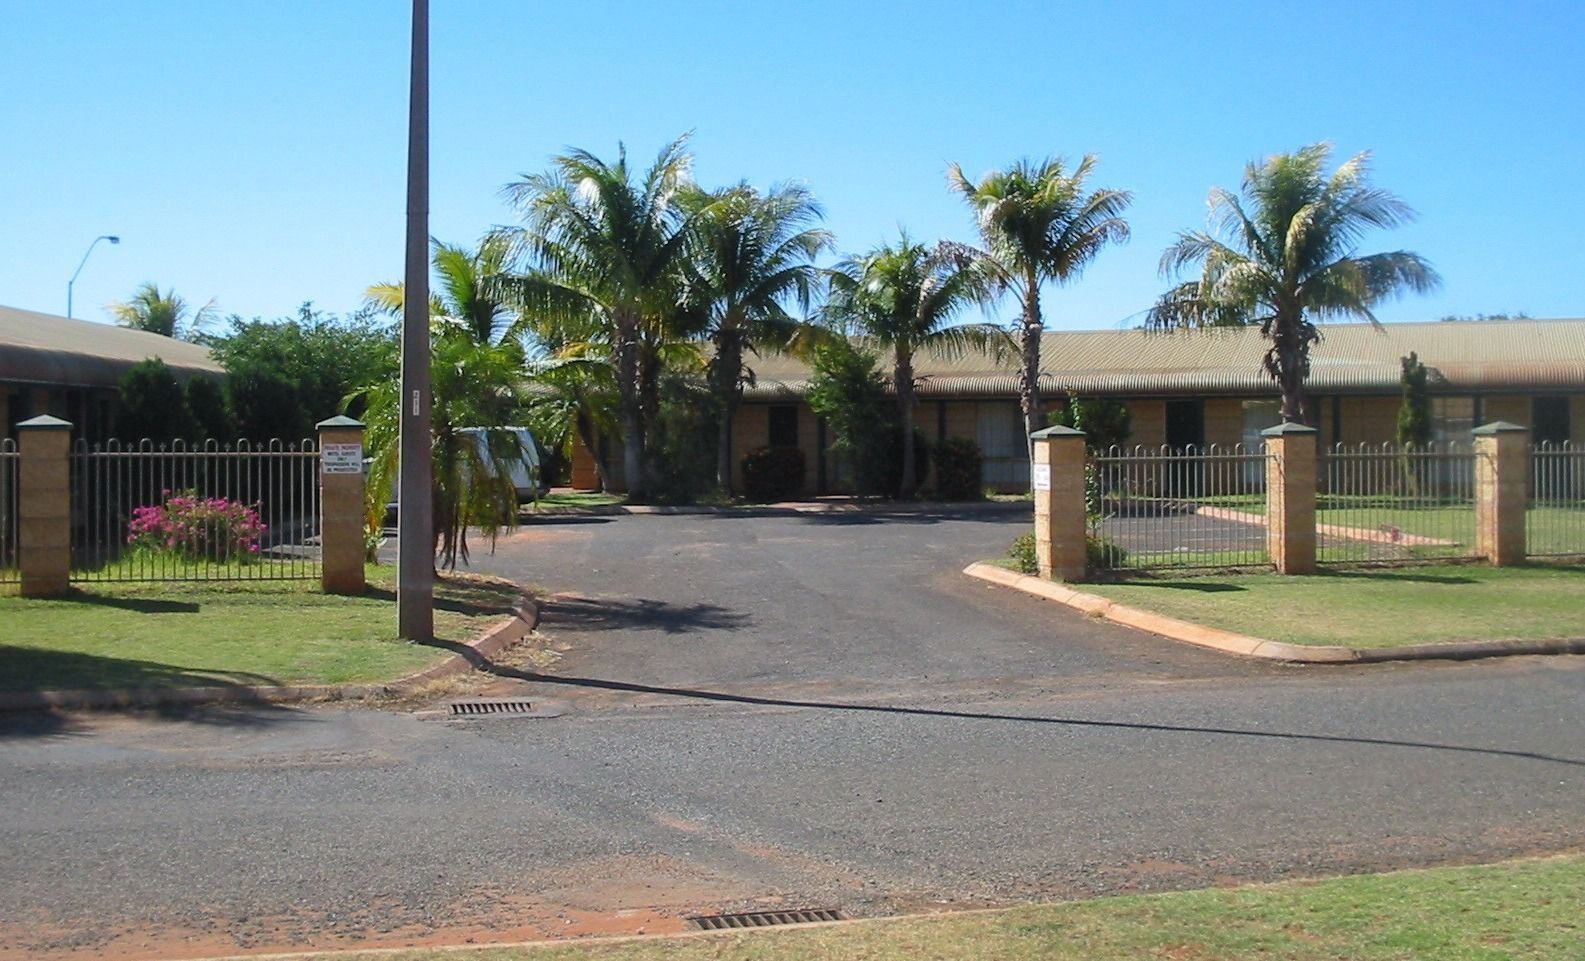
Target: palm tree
905,297
165,313
599,241
474,384
1288,260
752,254
1039,225
469,294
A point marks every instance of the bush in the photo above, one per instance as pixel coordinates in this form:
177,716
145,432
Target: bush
682,440
958,470
773,473
151,405
208,405
197,528
1022,553
266,407
1106,422
889,483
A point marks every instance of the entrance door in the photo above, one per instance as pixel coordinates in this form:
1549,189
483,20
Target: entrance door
1550,417
1185,430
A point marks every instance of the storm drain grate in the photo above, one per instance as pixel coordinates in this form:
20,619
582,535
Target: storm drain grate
481,708
762,919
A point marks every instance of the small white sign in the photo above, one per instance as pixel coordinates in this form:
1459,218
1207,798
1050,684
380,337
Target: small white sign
341,458
1040,475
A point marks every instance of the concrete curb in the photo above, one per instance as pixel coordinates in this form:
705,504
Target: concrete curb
524,618
790,509
1229,642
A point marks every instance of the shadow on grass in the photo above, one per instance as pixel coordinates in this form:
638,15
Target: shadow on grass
141,605
26,670
1398,574
1201,587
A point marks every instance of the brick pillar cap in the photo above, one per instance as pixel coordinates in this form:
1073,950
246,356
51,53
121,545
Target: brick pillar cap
1484,430
340,420
1287,427
1056,430
44,422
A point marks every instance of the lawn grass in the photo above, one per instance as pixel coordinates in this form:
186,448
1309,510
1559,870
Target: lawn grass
578,499
1374,608
181,634
1519,911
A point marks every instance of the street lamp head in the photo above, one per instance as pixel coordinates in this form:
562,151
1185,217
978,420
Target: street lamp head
112,239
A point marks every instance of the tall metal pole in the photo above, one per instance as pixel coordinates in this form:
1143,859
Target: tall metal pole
80,264
415,578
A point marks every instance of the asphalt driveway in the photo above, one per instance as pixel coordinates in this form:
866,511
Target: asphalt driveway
848,601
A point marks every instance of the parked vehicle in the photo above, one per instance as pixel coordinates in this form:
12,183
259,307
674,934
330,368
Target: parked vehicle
516,449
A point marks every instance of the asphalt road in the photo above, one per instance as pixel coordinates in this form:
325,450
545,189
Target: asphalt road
737,734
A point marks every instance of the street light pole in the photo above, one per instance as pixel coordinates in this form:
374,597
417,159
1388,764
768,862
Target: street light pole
80,263
415,577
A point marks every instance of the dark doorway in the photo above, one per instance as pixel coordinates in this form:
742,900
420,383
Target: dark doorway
1550,417
1185,430
1185,424
784,426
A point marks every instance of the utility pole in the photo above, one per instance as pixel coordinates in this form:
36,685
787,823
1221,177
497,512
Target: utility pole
415,576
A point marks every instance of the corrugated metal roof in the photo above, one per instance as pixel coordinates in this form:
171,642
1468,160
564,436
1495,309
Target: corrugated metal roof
1351,358
40,348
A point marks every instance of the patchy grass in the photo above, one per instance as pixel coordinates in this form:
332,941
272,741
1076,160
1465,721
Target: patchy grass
1523,911
577,499
179,634
1374,608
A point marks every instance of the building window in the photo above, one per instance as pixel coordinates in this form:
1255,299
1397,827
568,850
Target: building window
1549,419
1452,419
1259,415
784,425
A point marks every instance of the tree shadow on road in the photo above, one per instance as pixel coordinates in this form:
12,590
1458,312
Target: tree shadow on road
609,614
1067,722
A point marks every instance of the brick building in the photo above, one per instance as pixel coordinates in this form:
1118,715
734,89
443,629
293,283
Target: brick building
1208,387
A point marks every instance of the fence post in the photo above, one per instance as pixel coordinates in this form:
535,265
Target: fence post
1502,484
45,506
341,506
1290,497
1057,477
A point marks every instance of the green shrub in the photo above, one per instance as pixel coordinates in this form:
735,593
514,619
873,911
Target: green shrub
151,405
773,473
958,464
1022,554
266,407
890,480
208,405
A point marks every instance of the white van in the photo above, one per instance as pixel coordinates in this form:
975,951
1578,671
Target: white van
524,463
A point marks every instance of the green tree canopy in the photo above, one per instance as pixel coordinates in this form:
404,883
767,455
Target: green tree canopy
1282,254
165,313
1040,223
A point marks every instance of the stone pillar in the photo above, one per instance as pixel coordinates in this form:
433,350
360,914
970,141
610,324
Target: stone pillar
44,536
1290,497
1502,485
341,506
1057,477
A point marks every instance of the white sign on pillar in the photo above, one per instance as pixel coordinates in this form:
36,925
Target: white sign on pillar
1040,476
341,458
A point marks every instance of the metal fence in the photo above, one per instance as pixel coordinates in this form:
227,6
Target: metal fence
1164,508
149,512
10,462
1554,520
1390,504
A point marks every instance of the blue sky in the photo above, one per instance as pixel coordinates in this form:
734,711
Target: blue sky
254,153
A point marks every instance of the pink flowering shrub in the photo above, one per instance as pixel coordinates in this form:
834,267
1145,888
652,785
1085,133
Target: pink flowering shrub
197,528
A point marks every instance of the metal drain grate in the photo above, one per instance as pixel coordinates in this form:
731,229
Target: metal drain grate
480,708
761,919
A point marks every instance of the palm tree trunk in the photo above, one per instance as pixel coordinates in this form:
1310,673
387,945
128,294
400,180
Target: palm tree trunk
627,382
1029,371
649,411
903,380
728,391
